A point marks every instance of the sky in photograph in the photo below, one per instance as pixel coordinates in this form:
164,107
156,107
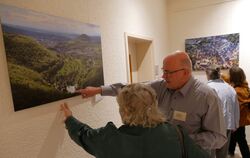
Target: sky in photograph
22,17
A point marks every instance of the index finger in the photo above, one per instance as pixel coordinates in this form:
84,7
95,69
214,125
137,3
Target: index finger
78,91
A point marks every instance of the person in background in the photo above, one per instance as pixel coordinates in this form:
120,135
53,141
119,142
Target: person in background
237,79
230,104
145,134
184,100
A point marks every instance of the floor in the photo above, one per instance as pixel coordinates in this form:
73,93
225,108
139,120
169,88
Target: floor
236,155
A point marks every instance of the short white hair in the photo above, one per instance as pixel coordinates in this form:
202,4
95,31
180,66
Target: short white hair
138,106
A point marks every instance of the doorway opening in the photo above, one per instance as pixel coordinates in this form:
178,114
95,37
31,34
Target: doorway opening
140,58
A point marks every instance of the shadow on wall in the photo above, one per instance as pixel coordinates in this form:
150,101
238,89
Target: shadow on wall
54,139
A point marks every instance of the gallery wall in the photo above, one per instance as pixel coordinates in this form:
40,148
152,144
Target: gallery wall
191,19
39,131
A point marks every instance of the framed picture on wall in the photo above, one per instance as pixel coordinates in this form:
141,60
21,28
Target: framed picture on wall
49,57
222,50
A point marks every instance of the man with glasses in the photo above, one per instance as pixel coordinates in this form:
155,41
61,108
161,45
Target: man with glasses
184,100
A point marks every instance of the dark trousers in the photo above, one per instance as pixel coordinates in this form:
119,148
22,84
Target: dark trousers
239,136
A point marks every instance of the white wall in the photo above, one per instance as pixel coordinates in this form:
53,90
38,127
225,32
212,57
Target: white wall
39,131
200,18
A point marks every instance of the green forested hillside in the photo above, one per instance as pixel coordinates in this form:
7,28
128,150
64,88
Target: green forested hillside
39,75
24,50
29,88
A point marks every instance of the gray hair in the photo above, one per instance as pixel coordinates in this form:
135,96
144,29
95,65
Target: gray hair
138,106
213,72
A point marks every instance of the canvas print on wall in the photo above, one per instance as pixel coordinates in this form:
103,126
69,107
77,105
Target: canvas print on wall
222,50
49,57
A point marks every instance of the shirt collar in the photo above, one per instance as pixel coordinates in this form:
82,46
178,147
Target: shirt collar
216,80
185,88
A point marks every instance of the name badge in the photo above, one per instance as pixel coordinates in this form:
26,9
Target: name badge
179,115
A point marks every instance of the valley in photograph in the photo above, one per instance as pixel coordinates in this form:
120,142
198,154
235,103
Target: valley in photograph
47,63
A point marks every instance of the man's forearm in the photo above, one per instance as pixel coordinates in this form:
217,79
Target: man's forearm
209,140
111,90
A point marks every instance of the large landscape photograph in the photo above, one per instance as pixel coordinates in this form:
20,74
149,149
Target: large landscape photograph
49,57
222,50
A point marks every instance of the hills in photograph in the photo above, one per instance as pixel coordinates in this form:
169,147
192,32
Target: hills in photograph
42,64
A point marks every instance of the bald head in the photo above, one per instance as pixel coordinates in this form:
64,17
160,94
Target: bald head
181,59
177,68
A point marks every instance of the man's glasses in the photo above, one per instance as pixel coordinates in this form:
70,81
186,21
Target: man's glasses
166,72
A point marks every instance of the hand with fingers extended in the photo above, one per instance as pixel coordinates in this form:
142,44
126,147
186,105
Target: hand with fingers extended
66,111
89,91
